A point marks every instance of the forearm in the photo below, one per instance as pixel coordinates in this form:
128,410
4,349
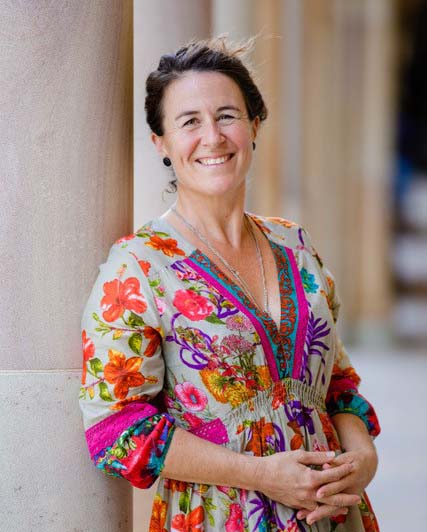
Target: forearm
359,450
192,459
352,433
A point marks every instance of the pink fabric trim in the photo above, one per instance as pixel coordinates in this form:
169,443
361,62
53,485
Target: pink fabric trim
106,432
213,431
302,316
271,361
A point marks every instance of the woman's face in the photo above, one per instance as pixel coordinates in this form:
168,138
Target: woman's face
207,133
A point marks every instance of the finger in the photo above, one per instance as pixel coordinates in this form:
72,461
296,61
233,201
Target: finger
325,511
333,474
332,488
341,499
314,458
302,514
343,458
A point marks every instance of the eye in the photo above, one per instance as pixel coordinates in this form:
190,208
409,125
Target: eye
226,117
190,122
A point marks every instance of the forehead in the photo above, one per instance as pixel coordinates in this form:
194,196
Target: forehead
199,90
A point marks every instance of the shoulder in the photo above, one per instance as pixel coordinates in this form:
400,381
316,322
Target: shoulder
150,246
285,232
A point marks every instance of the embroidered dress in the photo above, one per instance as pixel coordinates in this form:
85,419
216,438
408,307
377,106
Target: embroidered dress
169,340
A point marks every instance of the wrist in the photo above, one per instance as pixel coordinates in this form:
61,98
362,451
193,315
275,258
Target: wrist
249,471
366,448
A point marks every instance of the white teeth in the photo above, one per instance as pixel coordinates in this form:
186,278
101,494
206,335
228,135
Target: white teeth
219,160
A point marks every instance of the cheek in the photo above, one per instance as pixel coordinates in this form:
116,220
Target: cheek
185,149
242,138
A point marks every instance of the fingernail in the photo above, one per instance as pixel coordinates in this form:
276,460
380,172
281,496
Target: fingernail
330,454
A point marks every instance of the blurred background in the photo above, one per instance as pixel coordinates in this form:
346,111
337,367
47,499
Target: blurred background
343,153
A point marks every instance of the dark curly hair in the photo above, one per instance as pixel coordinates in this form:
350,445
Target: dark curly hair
209,55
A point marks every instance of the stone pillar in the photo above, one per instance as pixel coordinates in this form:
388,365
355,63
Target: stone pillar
159,27
265,188
66,152
273,181
347,149
377,146
236,18
290,103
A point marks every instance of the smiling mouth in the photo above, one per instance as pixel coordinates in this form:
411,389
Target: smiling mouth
215,161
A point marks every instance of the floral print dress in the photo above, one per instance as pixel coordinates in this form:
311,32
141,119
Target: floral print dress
169,340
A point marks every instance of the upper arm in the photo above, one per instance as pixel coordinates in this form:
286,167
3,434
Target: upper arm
123,369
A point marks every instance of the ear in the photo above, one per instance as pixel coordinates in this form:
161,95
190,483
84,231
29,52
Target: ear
255,125
158,142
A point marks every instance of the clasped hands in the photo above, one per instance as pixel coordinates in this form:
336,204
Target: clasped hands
329,489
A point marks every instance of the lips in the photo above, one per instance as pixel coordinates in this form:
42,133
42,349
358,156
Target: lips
215,161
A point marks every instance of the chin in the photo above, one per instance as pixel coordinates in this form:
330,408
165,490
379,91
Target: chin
223,184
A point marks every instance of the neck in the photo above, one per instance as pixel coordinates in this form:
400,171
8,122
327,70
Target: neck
220,219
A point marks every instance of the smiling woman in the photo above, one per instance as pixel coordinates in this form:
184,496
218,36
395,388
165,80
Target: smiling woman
211,357
210,147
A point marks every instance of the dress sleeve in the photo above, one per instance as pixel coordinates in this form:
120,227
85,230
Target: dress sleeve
343,395
123,369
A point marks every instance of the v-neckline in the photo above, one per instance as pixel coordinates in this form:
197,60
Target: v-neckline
197,251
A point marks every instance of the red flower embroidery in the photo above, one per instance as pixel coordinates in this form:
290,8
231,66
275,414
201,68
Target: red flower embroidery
175,485
339,518
234,522
193,306
125,238
192,398
145,266
120,296
154,338
192,420
88,348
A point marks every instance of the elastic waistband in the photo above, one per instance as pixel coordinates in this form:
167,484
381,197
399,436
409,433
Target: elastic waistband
307,394
292,389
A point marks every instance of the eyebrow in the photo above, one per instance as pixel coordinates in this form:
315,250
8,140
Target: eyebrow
223,108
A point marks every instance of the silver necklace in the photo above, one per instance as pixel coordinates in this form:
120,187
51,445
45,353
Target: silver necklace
235,273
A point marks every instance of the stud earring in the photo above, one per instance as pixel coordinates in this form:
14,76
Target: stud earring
253,145
166,161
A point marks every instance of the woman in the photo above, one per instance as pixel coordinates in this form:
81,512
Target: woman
211,357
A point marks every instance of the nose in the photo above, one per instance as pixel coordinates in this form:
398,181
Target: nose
211,133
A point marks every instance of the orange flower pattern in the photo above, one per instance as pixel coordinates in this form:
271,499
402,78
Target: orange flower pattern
120,297
123,373
168,246
158,515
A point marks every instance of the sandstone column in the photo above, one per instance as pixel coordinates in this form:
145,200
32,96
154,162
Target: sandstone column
66,184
